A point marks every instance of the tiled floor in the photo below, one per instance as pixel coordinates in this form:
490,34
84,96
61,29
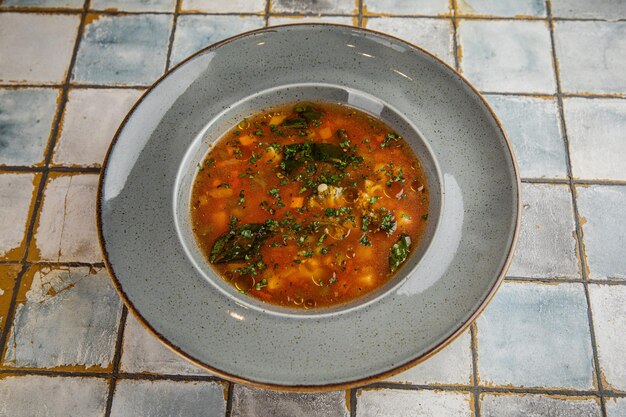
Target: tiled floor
552,342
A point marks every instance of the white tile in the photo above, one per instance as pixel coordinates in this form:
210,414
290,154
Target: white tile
507,405
168,398
609,321
42,396
400,403
66,230
36,48
221,6
591,56
596,129
434,35
16,192
502,8
317,6
547,244
586,9
507,56
143,352
91,119
451,366
407,7
70,317
289,20
616,407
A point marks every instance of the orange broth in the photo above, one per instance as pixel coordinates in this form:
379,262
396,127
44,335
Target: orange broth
309,205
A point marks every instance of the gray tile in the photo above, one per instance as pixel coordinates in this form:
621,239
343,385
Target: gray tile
434,35
596,129
533,127
74,4
507,405
36,48
136,398
451,366
604,231
507,56
66,230
407,7
547,240
196,32
8,275
134,5
536,335
220,6
615,407
16,193
317,6
288,20
609,321
585,9
250,402
400,403
591,56
143,352
41,396
26,117
123,50
502,8
70,317
90,120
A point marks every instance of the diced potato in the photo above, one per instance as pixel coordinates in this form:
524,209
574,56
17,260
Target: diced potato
204,200
221,193
220,218
297,202
367,279
325,133
278,119
364,253
273,283
404,219
246,140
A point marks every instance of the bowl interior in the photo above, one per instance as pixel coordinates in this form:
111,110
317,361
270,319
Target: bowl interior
247,106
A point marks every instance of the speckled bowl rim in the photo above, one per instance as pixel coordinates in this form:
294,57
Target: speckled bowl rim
334,386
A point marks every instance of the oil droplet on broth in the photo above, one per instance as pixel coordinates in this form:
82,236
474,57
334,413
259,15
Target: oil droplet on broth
243,282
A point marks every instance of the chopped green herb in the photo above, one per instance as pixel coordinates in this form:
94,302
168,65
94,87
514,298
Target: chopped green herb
425,217
399,252
260,284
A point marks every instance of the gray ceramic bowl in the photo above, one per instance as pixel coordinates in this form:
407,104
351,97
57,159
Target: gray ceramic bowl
144,195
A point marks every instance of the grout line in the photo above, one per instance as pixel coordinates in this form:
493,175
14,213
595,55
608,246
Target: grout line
455,41
474,349
266,12
84,170
545,180
53,264
170,44
579,233
558,280
116,361
229,400
360,13
44,177
353,402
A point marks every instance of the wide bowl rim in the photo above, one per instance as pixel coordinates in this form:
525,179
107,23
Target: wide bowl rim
331,386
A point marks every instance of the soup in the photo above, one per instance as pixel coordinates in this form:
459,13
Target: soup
309,205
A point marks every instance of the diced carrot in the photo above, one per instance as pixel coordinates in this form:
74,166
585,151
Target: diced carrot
263,294
297,202
378,138
246,140
325,133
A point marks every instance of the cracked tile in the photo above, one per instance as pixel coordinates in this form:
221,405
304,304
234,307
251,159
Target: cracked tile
64,317
88,131
508,405
24,134
451,366
168,398
502,8
218,6
252,402
317,6
407,7
547,242
604,231
16,196
596,129
401,403
123,50
585,9
194,33
66,228
8,275
609,321
36,48
143,352
603,46
42,396
507,56
534,129
434,35
536,335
